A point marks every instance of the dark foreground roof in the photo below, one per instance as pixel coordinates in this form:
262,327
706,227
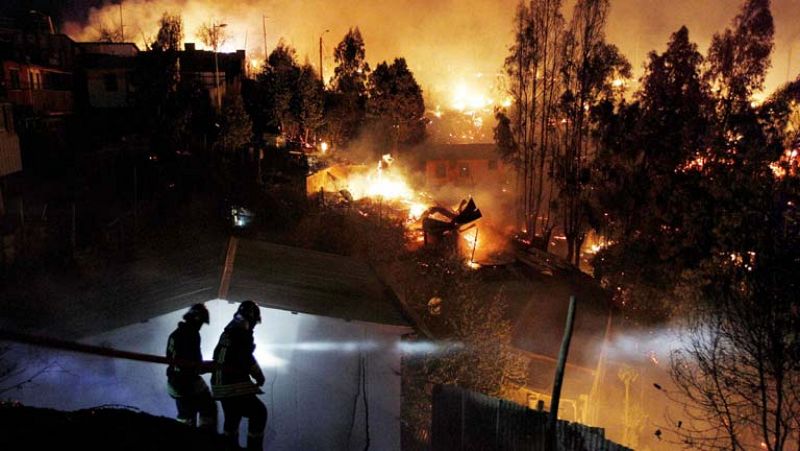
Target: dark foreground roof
97,429
302,280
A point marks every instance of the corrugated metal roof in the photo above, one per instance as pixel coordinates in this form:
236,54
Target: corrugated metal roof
303,280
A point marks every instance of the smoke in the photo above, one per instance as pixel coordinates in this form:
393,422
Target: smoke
408,348
436,38
447,43
640,346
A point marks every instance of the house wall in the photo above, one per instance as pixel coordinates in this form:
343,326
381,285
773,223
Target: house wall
315,393
467,172
109,88
42,89
10,158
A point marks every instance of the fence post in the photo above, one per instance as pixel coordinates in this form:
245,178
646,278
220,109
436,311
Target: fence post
72,235
463,418
552,419
22,221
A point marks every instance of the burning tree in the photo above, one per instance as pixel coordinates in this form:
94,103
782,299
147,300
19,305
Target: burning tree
590,67
170,33
525,134
557,75
212,35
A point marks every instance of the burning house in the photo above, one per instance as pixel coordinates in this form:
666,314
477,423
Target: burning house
216,72
468,166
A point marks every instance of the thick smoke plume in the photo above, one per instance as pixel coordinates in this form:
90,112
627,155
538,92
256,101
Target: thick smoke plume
447,43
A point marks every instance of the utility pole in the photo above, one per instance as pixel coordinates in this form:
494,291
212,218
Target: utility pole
121,25
321,77
552,419
215,35
264,28
72,239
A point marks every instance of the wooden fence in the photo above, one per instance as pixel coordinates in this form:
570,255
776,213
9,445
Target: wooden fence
465,420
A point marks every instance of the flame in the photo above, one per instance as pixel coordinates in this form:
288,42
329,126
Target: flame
468,98
255,65
787,164
416,209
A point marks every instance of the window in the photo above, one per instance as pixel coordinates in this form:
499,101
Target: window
14,74
441,170
492,165
110,82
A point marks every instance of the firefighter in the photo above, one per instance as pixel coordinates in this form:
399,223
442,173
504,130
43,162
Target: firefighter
184,383
231,380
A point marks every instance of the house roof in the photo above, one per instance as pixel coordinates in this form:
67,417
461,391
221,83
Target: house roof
108,48
458,152
296,279
188,271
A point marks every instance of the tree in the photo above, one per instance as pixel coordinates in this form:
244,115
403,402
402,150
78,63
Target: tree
641,188
396,103
281,77
170,33
287,98
236,128
505,139
212,35
589,68
311,94
740,57
109,34
738,376
533,67
352,69
346,103
473,336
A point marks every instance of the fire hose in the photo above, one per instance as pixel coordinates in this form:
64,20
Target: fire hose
71,346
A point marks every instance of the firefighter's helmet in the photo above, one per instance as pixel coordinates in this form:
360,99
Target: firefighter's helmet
250,311
197,312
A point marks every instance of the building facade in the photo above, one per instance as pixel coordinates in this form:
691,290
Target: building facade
464,165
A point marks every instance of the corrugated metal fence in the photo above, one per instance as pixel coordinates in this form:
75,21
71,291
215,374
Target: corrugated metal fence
465,420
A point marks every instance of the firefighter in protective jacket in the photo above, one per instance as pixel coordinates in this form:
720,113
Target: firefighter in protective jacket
231,380
184,383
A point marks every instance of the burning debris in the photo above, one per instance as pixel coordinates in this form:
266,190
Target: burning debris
438,221
383,191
